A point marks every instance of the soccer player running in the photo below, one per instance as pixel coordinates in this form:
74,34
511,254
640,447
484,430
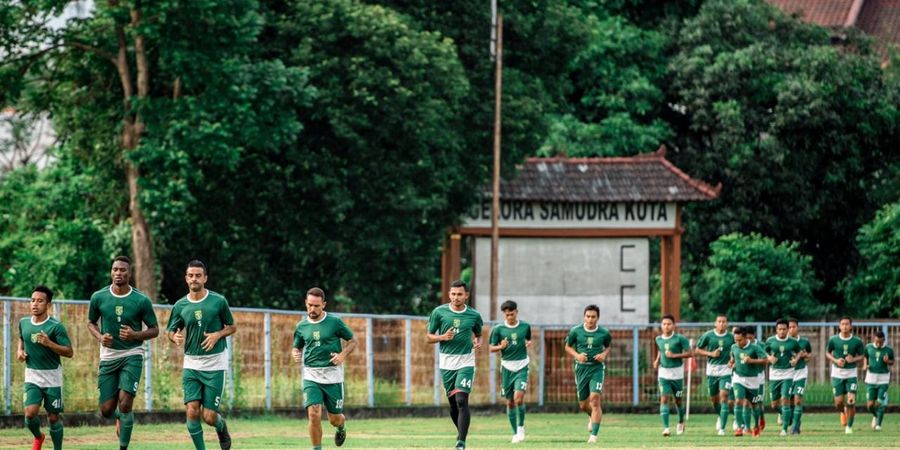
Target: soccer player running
589,344
878,361
845,350
672,348
784,353
512,339
317,343
758,401
116,316
200,322
456,328
748,360
715,344
798,389
42,340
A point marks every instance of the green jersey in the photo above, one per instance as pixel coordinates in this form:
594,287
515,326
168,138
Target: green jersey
784,350
590,342
457,352
42,367
804,345
132,309
198,317
320,340
712,341
748,351
676,343
515,356
839,347
875,357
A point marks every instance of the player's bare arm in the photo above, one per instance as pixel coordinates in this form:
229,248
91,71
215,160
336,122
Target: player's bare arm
105,339
502,345
656,361
338,358
176,337
126,333
61,350
887,360
476,342
210,339
435,338
20,352
600,357
836,361
580,357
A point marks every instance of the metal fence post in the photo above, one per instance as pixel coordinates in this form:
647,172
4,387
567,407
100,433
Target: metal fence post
407,361
148,378
268,359
229,372
437,376
492,360
541,367
370,364
7,354
635,366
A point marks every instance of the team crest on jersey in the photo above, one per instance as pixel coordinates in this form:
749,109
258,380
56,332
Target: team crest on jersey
721,343
846,348
198,314
316,335
120,309
590,340
34,337
781,348
456,323
515,336
667,346
877,354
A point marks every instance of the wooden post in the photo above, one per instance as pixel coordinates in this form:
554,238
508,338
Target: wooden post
495,200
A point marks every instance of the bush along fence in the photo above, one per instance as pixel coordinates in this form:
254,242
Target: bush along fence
393,365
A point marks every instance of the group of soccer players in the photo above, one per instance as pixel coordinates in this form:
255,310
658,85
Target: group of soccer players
121,318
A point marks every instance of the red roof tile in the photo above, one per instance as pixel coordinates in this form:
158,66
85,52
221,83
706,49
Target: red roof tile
881,19
642,178
827,13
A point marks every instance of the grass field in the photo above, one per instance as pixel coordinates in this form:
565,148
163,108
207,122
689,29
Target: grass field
546,431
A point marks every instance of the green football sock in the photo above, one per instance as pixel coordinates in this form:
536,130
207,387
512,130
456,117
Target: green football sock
511,415
680,411
220,423
757,413
56,434
879,414
851,415
522,415
317,447
595,428
723,415
785,417
34,425
739,415
126,424
748,416
195,429
664,413
798,413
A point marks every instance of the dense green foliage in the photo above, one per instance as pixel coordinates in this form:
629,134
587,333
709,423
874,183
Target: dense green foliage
875,290
293,142
753,278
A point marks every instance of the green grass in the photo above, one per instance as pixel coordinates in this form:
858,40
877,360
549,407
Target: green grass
548,431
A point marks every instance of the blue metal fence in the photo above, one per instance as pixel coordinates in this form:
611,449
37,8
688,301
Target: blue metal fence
393,364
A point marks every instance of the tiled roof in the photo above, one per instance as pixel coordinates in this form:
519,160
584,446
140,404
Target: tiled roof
642,178
827,13
881,19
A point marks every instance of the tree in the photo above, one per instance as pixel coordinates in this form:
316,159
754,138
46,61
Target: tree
796,129
143,88
874,291
753,278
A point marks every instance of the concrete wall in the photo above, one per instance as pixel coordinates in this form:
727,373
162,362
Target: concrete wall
553,279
